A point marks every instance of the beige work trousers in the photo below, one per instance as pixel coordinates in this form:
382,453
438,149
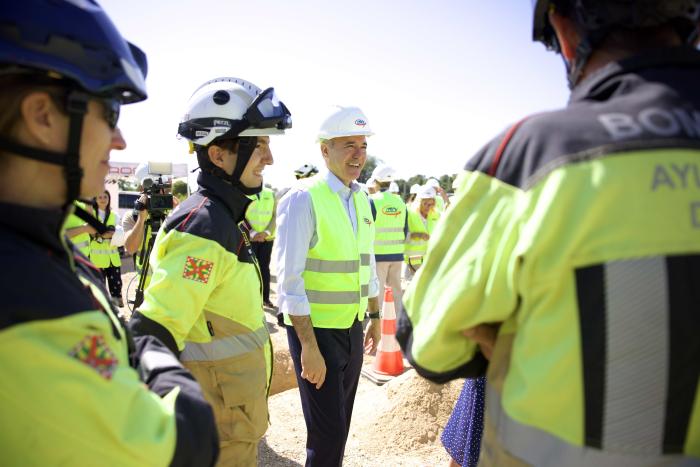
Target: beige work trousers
236,389
389,274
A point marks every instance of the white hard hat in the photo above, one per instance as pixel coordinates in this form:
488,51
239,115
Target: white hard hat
414,188
344,121
383,173
433,183
393,187
426,192
371,181
232,107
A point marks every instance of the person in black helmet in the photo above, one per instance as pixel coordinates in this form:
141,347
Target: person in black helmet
579,231
76,388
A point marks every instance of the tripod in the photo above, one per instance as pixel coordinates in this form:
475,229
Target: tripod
145,254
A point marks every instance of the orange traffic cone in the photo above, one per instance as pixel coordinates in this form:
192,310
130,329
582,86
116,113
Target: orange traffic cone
388,360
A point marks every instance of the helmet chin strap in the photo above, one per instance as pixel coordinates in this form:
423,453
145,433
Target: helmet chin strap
246,146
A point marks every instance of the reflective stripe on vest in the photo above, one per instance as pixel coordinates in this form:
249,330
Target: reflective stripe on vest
390,222
336,275
537,447
322,265
102,253
226,347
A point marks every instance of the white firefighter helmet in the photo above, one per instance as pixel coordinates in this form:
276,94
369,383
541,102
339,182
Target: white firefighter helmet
232,107
344,121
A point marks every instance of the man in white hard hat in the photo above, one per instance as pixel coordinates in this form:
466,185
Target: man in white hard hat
441,199
326,282
389,212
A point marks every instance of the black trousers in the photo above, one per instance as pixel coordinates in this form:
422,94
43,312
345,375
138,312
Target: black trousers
327,411
263,251
113,276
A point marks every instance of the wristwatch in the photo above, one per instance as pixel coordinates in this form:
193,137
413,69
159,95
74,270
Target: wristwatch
373,315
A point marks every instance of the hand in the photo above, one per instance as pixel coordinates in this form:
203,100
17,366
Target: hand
373,335
485,336
260,237
90,229
313,366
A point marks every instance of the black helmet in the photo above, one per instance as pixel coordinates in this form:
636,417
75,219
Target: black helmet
305,171
74,44
597,17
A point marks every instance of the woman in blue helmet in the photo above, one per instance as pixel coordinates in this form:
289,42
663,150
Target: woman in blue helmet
76,389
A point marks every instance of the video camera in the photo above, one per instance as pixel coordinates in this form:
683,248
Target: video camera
155,188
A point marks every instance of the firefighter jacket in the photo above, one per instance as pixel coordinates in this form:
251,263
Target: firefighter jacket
390,226
585,244
205,294
102,253
71,393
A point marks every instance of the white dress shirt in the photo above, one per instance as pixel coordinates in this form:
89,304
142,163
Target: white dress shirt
296,234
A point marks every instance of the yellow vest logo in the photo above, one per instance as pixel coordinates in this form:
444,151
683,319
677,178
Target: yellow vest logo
390,211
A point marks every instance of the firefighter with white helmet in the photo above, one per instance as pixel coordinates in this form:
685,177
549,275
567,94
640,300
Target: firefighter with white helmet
326,281
204,297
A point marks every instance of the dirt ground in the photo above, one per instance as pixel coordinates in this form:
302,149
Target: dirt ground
396,424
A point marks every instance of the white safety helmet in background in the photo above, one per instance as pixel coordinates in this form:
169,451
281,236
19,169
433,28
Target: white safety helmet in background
393,187
344,121
232,107
432,182
370,182
414,188
426,192
383,173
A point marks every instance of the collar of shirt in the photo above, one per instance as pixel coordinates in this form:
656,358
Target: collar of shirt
42,226
233,198
339,187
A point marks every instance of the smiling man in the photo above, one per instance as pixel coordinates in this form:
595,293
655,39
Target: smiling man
326,282
204,297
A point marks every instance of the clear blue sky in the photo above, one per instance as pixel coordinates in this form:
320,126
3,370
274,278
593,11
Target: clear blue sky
436,79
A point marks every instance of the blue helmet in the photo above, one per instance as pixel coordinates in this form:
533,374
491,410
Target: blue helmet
73,43
76,39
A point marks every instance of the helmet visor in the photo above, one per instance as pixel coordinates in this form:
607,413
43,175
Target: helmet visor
267,111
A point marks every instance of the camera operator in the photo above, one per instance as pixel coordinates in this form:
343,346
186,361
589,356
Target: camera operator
134,225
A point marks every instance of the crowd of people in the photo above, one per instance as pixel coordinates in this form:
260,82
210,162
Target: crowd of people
560,279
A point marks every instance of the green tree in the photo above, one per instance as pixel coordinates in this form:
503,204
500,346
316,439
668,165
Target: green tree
180,189
369,167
